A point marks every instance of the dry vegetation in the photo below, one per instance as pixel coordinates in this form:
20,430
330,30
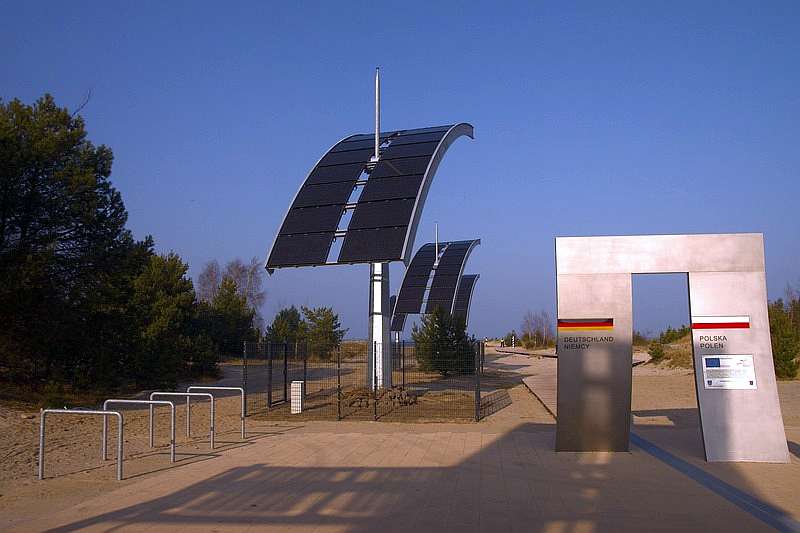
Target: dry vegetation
677,354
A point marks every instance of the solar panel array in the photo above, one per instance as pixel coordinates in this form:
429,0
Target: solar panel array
464,295
447,275
444,286
378,228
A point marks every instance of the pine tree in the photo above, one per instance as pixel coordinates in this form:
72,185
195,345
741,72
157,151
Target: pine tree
321,331
785,340
286,326
442,344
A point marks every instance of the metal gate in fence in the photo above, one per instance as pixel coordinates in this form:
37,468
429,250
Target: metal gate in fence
429,383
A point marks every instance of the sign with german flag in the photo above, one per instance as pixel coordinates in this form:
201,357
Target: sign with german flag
585,324
721,322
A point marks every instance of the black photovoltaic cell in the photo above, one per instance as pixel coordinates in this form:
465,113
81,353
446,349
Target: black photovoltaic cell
418,280
412,291
310,249
312,219
410,300
400,167
372,245
464,294
391,188
335,173
397,151
398,322
448,270
418,138
424,258
384,214
443,281
324,194
366,144
433,303
344,158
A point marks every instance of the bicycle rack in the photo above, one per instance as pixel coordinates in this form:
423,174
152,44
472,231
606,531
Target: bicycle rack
240,389
151,403
188,396
104,414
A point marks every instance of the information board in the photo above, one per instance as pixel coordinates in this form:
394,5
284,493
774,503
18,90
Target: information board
729,372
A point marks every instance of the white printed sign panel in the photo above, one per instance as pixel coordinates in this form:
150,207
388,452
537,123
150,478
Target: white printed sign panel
729,372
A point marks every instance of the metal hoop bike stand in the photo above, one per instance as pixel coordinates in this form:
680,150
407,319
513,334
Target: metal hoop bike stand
104,414
241,392
188,396
151,403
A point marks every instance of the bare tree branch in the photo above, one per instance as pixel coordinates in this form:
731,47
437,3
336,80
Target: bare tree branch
83,103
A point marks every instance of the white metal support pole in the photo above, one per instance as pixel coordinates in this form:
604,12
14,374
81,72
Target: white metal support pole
379,323
380,359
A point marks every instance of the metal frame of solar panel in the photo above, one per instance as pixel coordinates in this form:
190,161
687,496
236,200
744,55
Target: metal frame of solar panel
384,219
446,280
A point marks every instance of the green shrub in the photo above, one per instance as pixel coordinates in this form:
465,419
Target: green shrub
656,351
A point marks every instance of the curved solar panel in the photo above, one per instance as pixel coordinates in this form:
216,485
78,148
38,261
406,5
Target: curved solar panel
415,281
398,322
464,296
443,288
448,274
384,217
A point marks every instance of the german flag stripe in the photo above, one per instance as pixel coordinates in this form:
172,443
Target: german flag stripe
585,323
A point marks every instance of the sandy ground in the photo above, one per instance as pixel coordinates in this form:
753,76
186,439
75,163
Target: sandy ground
73,450
664,412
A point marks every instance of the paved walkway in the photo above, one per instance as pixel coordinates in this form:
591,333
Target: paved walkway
499,475
543,384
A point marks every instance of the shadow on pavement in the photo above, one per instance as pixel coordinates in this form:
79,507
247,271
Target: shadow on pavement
511,481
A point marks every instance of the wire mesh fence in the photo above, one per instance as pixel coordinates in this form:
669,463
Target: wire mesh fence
427,382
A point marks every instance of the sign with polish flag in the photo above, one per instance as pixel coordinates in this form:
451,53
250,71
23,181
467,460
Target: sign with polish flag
721,322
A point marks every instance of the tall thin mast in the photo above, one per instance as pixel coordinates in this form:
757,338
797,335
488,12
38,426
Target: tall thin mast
377,112
437,242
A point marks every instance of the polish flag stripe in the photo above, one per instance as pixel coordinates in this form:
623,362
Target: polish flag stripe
721,322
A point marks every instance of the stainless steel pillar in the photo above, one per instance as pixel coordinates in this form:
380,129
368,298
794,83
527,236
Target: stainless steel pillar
594,366
380,357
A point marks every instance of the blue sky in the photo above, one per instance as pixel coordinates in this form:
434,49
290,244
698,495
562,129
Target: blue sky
590,119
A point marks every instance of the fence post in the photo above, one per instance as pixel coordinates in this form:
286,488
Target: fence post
269,375
305,370
338,383
477,385
244,375
403,362
285,371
